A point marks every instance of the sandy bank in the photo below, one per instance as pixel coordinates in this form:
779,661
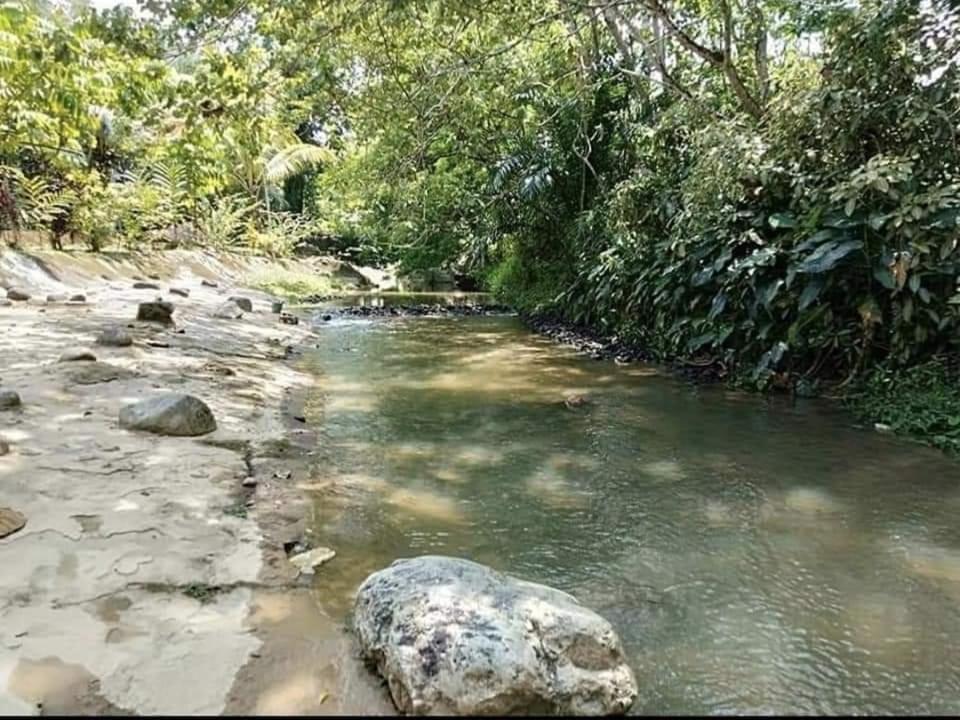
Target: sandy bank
151,574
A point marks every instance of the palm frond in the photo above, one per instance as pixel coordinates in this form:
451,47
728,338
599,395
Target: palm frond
293,160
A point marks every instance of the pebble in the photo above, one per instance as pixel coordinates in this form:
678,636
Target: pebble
156,311
9,399
78,356
243,303
115,337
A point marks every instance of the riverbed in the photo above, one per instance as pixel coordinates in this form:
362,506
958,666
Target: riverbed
755,555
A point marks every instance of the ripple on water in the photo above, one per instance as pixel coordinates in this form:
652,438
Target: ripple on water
755,558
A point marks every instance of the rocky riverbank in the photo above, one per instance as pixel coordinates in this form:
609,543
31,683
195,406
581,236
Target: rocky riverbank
602,347
413,310
147,571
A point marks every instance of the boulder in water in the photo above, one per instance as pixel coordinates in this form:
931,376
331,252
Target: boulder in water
145,286
9,399
115,337
18,295
158,311
78,298
454,637
182,292
169,414
208,283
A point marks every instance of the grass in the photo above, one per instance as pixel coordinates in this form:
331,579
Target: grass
922,403
294,285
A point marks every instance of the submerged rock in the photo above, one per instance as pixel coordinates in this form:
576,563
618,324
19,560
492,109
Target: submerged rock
454,637
228,311
78,298
115,337
171,414
576,400
305,562
209,283
9,399
244,303
182,292
18,295
158,311
145,286
79,355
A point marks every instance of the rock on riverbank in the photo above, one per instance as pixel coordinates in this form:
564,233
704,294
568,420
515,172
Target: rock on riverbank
454,637
415,310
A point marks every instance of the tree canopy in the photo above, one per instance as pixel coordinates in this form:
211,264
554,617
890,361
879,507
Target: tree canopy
773,184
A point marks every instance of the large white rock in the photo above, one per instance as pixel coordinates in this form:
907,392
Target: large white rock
454,637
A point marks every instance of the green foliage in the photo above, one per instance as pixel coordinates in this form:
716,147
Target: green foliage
772,185
294,285
922,401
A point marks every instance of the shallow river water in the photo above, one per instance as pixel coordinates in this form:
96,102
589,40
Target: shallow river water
755,556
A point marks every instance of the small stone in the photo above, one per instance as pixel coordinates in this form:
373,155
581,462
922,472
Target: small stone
158,311
307,561
18,295
182,292
78,298
10,521
9,399
78,356
288,319
327,317
145,286
169,414
115,337
244,303
97,372
228,311
209,283
249,482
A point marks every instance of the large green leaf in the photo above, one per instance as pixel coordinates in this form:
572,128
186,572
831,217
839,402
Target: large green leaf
826,256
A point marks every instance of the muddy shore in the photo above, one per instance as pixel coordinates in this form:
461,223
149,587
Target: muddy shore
152,575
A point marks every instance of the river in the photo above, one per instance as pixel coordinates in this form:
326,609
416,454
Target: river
755,555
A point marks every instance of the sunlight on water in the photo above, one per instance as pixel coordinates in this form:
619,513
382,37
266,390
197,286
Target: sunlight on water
755,556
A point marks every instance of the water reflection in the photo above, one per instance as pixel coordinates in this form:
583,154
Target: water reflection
756,557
